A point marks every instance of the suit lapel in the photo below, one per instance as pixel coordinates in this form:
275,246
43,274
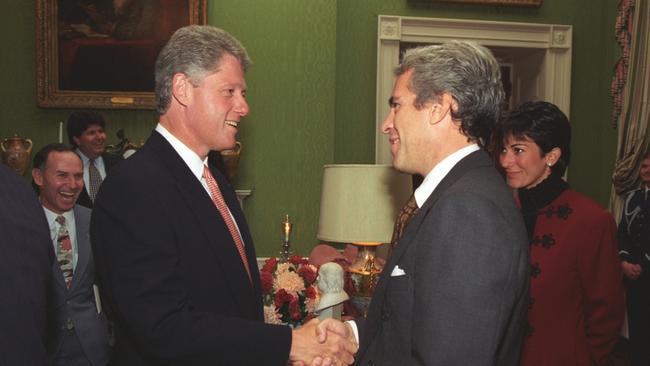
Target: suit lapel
207,216
82,227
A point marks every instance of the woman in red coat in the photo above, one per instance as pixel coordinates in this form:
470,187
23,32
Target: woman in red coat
576,292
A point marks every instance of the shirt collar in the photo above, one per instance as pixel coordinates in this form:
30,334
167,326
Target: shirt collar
98,160
191,159
51,216
438,173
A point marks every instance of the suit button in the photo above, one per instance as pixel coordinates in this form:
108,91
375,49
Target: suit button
69,324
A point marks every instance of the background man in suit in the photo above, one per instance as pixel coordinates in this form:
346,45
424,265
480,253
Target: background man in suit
454,290
80,336
172,246
86,134
25,274
634,245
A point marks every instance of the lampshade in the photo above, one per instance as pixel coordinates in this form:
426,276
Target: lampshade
359,203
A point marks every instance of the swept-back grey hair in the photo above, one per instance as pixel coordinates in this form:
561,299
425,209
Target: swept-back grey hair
465,70
195,51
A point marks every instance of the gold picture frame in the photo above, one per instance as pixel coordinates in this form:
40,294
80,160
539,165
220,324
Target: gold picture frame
495,2
94,54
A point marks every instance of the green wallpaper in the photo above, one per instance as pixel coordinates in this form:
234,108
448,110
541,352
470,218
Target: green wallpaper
594,52
312,94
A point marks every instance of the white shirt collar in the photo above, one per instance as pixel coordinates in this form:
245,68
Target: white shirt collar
51,216
439,172
191,159
98,160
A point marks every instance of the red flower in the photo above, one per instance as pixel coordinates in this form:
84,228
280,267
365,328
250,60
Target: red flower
294,309
282,297
266,281
296,259
269,264
308,274
310,292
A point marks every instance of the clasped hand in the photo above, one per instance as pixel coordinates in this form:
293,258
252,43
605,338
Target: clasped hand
326,343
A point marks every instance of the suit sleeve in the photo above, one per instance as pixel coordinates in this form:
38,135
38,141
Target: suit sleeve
625,250
602,282
471,272
136,243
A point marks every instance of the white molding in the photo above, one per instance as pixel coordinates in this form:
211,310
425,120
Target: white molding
553,83
242,194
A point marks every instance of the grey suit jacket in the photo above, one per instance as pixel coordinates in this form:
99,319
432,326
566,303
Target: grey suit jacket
463,296
75,308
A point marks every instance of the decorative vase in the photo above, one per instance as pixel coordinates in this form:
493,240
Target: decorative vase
231,161
16,153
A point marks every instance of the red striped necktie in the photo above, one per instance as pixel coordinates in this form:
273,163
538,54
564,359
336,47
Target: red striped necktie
220,203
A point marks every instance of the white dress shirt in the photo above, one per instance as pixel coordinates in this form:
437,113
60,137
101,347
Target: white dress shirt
193,161
72,231
439,172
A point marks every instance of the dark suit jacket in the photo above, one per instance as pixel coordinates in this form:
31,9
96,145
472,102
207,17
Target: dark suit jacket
110,160
463,297
25,274
170,272
75,308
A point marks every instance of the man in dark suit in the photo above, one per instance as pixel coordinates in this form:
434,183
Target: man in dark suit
454,290
25,274
80,334
173,251
86,134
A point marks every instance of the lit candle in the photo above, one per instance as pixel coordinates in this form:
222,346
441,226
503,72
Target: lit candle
61,132
286,227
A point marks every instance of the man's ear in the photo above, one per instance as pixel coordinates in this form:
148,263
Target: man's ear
37,176
182,88
441,108
76,140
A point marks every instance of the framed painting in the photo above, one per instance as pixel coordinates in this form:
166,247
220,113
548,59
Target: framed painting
101,53
494,2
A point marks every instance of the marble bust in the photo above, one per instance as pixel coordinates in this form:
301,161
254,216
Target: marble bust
332,295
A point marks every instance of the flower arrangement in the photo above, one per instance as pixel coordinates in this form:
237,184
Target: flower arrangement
289,291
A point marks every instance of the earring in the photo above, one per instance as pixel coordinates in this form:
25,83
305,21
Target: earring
549,164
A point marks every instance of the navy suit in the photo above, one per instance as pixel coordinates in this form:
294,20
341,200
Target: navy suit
25,274
459,296
169,270
75,307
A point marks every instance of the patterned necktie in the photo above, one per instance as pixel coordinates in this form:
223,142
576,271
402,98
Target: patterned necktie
94,180
217,199
64,251
406,213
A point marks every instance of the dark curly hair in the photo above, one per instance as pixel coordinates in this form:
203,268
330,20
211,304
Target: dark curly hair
543,123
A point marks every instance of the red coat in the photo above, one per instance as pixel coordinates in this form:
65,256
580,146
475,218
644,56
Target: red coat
576,287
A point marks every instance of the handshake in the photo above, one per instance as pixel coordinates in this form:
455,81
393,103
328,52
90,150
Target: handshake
323,343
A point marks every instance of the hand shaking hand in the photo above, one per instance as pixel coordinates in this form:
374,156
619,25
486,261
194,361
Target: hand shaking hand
326,343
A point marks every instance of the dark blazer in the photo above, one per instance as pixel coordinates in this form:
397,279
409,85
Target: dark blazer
463,296
25,274
75,308
110,160
171,275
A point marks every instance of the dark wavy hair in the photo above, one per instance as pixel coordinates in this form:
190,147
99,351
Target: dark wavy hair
78,122
543,123
465,70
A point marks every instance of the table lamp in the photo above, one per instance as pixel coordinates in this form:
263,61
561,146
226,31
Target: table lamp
359,204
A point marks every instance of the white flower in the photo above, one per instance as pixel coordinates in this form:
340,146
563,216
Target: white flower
271,315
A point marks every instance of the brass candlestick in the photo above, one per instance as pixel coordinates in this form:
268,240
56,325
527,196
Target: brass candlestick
286,245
